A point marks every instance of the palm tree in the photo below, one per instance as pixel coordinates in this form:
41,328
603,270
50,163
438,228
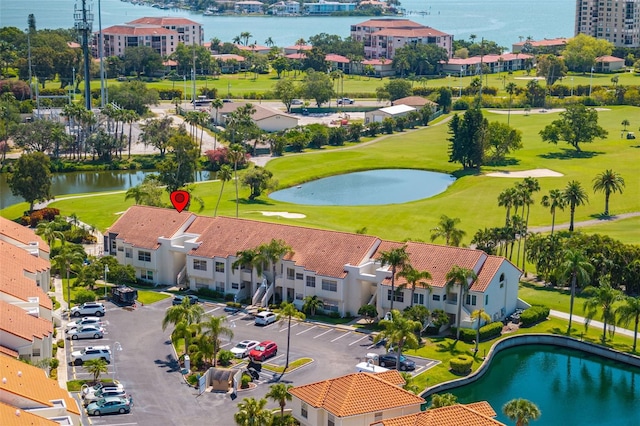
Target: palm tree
399,332
48,231
603,297
251,412
555,200
185,314
396,258
289,310
273,252
574,195
235,155
444,400
521,410
269,42
65,261
245,36
203,119
279,392
511,89
461,277
130,117
507,199
138,193
447,229
608,182
311,304
575,268
410,383
216,104
95,367
624,122
628,312
213,329
480,315
248,259
224,174
413,277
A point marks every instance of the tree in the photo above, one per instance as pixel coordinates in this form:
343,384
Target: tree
289,310
38,135
279,392
461,277
286,91
396,258
68,258
31,178
551,67
317,86
630,311
468,139
134,95
555,200
258,179
49,232
369,312
581,51
603,297
251,412
413,277
157,133
177,171
575,269
444,99
502,140
479,315
447,229
182,317
400,332
574,195
521,411
608,182
578,124
511,89
141,59
312,304
224,174
508,199
394,89
95,367
236,155
213,329
444,400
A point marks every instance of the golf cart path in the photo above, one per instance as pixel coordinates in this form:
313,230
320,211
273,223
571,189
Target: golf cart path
586,222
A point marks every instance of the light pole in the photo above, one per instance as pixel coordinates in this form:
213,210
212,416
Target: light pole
591,82
117,347
460,94
106,270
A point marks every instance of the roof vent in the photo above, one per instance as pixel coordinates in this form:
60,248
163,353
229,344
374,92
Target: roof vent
19,373
17,413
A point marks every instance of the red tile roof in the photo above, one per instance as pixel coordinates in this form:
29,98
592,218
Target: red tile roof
486,59
544,43
332,57
300,47
142,226
488,271
252,48
413,101
392,376
131,30
224,57
387,62
17,321
13,416
20,233
608,58
389,23
22,288
8,351
164,21
476,414
27,261
355,394
296,56
409,32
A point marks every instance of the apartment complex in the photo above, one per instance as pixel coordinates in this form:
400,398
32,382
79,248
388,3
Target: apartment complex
382,37
617,21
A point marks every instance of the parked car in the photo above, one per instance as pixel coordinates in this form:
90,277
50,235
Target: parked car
265,318
86,332
263,350
177,300
88,308
389,360
110,405
90,390
630,135
91,352
103,393
296,102
243,348
345,101
84,321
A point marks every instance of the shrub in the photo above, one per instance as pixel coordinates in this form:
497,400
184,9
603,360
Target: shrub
60,343
487,332
225,357
83,296
460,105
244,381
234,305
53,374
461,364
534,315
228,297
192,379
369,312
54,363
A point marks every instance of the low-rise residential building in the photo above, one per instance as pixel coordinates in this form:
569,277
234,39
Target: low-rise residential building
30,337
229,63
24,263
189,32
117,38
23,237
323,7
381,67
417,102
284,8
249,6
548,45
476,414
267,119
495,63
394,111
298,48
608,63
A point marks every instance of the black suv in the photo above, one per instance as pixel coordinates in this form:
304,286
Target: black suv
389,361
177,300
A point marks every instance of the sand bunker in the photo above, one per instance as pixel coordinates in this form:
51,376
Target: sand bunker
526,173
286,215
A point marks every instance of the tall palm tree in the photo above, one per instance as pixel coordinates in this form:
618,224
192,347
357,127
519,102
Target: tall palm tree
185,313
506,199
245,36
555,200
521,411
269,42
447,229
224,174
577,269
216,104
289,310
213,329
399,332
248,259
273,252
528,186
251,412
443,400
630,311
279,392
574,195
462,277
479,315
511,89
96,367
608,182
236,155
130,117
203,120
311,304
48,230
603,297
396,258
413,277
65,261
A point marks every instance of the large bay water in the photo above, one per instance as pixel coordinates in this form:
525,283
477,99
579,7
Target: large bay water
503,21
570,387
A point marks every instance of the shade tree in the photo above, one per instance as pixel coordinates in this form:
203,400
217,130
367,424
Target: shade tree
577,125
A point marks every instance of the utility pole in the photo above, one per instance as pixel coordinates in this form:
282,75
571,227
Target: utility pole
103,99
29,56
84,19
193,77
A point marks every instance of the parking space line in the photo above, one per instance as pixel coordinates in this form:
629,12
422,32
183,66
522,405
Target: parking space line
308,329
363,337
344,333
322,334
285,328
212,310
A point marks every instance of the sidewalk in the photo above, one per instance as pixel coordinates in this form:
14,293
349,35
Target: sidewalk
60,317
595,324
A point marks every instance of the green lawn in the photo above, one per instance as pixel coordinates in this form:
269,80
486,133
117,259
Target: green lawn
148,297
625,230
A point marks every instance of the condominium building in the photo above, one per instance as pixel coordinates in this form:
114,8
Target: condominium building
617,21
382,37
189,32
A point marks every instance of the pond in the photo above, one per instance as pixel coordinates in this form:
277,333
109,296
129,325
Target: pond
569,387
373,187
82,182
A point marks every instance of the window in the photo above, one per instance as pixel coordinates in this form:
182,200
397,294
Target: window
128,253
329,285
199,265
418,298
486,300
299,296
303,410
377,417
243,284
144,256
299,276
35,352
436,297
471,300
311,281
146,275
501,280
398,297
290,273
235,286
219,266
220,286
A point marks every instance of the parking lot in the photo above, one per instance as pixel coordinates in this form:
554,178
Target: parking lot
148,368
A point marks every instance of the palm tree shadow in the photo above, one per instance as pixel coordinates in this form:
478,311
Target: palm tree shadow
169,362
510,161
256,201
570,154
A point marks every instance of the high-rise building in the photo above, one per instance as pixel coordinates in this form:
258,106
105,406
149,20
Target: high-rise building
617,21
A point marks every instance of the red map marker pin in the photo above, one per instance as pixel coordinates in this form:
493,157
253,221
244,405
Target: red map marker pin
179,199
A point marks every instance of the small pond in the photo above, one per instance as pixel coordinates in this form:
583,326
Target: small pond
373,187
570,387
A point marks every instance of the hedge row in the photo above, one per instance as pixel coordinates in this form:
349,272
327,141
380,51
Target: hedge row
534,315
461,364
487,332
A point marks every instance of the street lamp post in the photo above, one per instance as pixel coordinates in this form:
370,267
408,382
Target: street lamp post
591,82
106,270
460,94
117,347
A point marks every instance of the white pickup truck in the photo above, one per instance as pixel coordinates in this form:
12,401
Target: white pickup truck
370,365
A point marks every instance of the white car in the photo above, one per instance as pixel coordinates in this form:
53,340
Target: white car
86,332
89,308
242,349
296,102
91,352
90,390
102,393
265,318
84,321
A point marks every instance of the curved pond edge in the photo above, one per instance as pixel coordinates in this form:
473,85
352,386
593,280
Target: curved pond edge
534,339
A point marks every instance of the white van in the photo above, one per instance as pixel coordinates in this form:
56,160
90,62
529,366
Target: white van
265,318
